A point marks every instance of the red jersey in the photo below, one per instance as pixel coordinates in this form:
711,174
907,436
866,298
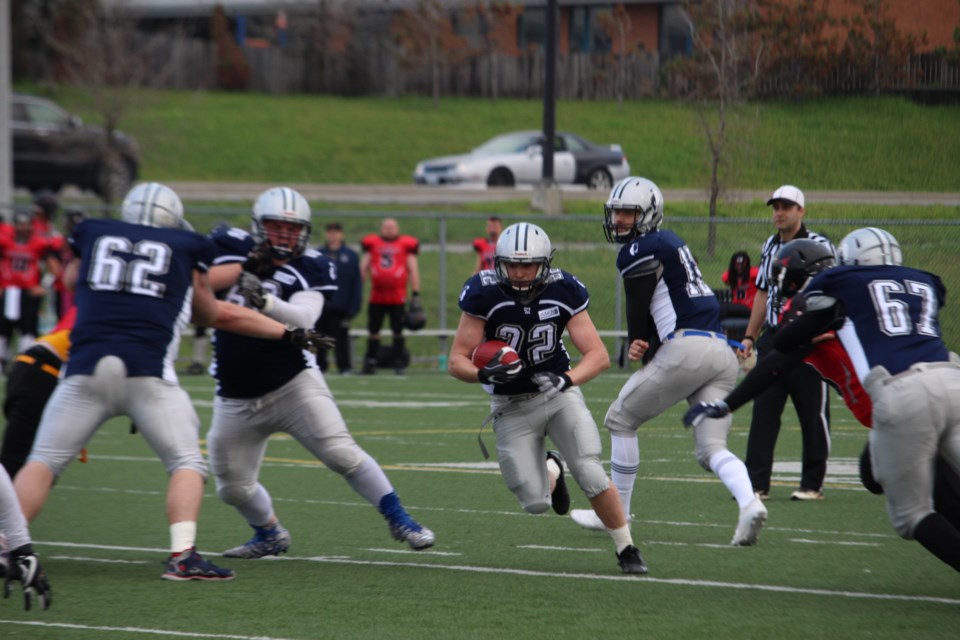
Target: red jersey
744,292
486,248
388,267
20,260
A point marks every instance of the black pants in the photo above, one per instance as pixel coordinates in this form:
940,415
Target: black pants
334,323
377,313
29,386
809,393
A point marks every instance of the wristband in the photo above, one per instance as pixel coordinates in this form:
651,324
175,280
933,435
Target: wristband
750,338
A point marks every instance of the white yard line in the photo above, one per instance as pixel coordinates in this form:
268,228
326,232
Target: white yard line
155,632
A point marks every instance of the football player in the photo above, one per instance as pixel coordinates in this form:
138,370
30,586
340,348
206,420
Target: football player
389,262
138,280
673,326
527,304
20,563
871,329
265,388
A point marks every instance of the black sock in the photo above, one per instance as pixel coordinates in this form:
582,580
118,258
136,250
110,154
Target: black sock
938,536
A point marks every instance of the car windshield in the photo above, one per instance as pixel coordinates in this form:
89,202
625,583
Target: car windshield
45,114
507,143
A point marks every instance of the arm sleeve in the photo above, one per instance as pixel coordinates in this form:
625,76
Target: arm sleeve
639,293
303,310
768,370
808,326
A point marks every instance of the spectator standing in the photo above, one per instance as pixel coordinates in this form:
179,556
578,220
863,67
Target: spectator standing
390,263
22,252
486,246
345,305
803,385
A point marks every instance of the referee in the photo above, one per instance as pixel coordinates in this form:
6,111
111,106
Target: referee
803,384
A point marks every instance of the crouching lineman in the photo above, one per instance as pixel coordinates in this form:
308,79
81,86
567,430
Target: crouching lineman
265,388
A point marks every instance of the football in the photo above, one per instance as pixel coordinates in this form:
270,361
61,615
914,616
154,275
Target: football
485,352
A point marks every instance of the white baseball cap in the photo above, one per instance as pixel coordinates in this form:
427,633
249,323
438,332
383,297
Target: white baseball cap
787,192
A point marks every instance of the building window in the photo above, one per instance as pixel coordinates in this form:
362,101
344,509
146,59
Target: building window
675,39
532,28
587,34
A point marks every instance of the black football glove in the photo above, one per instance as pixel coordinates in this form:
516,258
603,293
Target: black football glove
698,412
497,372
259,262
308,339
25,568
415,303
551,384
251,290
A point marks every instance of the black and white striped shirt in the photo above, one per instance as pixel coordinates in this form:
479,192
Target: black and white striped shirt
766,281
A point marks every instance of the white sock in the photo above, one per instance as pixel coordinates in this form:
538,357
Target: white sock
733,473
624,464
621,537
370,481
183,536
258,510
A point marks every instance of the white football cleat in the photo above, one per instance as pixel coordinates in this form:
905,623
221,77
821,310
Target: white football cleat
752,519
588,519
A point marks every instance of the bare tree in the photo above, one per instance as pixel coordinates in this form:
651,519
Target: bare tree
876,46
718,77
424,37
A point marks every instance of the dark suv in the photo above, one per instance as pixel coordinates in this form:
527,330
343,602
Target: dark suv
52,148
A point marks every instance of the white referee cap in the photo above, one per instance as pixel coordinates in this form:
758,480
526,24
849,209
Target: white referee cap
787,192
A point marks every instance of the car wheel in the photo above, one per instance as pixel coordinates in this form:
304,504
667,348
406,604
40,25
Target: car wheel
500,177
600,180
114,180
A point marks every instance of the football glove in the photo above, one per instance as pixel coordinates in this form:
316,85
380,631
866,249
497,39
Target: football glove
259,262
251,290
551,384
25,568
415,303
698,412
496,372
308,339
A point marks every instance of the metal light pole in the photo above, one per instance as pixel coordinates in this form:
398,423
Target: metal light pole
546,196
6,148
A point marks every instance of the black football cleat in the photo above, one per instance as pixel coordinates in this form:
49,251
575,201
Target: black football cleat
560,498
631,561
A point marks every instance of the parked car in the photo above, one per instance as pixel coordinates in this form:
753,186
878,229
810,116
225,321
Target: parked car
517,158
53,148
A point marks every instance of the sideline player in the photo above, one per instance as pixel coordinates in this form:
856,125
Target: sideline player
674,328
265,388
389,261
528,305
137,281
486,246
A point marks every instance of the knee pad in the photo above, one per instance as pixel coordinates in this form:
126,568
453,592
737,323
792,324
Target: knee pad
617,421
589,475
236,494
704,450
536,508
344,459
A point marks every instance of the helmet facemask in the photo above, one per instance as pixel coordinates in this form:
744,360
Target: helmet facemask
523,243
282,204
640,197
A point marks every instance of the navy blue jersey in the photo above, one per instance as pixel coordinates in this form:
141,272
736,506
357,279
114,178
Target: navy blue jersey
534,329
892,314
134,294
681,300
251,367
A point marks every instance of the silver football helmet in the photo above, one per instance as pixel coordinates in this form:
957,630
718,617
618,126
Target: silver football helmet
640,197
523,243
285,205
870,246
154,205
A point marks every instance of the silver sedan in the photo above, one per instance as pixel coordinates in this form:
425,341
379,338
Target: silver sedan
517,158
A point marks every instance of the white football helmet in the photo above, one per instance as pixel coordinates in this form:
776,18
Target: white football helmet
154,205
524,243
870,246
285,205
639,196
